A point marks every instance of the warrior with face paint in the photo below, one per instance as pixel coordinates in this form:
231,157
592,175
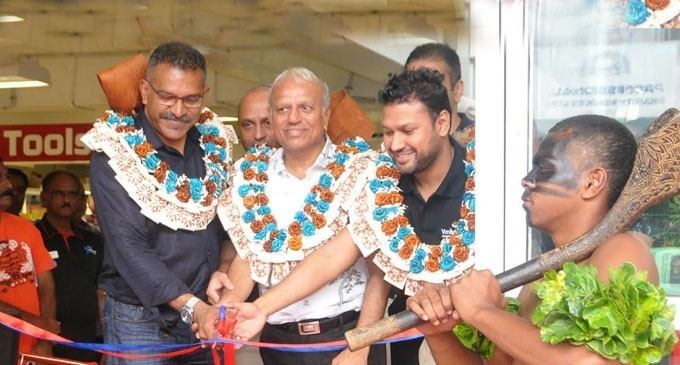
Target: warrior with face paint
577,175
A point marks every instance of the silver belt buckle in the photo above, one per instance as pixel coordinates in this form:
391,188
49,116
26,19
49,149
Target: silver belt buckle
309,328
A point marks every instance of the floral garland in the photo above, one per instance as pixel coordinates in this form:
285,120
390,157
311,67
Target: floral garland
317,202
204,190
403,241
638,12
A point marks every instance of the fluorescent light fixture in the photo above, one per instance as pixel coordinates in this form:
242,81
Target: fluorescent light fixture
228,119
25,73
8,18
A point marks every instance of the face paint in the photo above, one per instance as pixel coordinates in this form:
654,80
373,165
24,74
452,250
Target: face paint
551,164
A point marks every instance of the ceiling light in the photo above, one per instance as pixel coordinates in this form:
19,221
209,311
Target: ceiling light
25,73
8,18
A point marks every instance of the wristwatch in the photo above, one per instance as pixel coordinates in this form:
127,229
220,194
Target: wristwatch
187,311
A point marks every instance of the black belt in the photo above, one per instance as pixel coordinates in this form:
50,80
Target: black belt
316,326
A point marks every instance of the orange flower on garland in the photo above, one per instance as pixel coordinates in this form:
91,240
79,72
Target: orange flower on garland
405,252
249,174
412,240
143,149
319,220
256,225
432,265
295,243
460,253
389,227
249,201
295,229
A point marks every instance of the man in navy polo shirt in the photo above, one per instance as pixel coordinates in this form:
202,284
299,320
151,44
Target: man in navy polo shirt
78,253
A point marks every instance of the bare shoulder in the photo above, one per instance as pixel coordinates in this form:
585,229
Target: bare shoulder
621,248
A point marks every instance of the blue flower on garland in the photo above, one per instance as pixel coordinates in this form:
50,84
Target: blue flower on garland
384,157
264,210
636,12
195,189
402,232
341,158
270,227
308,228
133,140
394,245
300,217
152,161
243,190
325,181
245,165
374,185
468,237
248,216
310,198
276,245
446,248
447,263
171,181
416,266
322,206
380,214
259,236
261,166
420,253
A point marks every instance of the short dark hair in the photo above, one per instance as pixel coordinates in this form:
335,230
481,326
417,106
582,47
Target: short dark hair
18,173
178,54
610,144
423,85
439,51
49,178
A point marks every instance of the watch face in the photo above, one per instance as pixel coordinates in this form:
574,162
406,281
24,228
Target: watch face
186,316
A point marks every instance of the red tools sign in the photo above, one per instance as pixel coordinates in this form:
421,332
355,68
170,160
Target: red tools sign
43,143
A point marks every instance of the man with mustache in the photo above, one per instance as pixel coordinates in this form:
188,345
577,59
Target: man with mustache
156,183
78,253
577,174
27,286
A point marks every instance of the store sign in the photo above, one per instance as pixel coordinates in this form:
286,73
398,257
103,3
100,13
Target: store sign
38,143
624,81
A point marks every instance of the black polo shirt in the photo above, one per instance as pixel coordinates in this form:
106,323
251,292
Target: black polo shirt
79,256
432,219
146,263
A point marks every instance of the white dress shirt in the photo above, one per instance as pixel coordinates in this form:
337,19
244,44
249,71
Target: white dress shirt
286,197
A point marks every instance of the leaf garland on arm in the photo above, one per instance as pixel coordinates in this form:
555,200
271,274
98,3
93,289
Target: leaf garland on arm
627,318
472,339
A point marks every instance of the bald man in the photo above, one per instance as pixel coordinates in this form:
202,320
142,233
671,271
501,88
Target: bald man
253,118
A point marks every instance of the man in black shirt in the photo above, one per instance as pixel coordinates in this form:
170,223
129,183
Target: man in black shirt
78,253
158,258
416,129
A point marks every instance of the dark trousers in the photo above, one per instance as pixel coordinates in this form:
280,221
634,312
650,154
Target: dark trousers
278,334
405,352
9,345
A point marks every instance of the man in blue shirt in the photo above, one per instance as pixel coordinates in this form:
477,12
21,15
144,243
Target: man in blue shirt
155,274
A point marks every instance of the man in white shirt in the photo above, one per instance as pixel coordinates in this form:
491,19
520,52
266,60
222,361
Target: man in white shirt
285,188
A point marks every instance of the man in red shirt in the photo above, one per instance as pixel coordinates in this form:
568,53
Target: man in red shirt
26,283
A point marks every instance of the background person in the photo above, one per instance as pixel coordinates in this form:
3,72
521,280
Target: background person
78,253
